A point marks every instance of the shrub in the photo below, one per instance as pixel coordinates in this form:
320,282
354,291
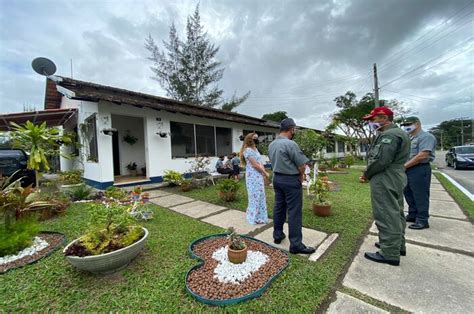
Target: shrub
173,178
349,160
115,193
319,192
79,193
18,236
71,177
228,189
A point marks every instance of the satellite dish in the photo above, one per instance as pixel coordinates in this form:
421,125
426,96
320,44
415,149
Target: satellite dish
43,66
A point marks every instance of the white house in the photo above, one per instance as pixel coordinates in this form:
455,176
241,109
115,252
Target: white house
117,127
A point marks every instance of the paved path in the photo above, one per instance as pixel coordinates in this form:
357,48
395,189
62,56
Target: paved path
436,276
224,217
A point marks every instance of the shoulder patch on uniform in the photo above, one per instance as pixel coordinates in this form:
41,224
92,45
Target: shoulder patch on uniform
386,140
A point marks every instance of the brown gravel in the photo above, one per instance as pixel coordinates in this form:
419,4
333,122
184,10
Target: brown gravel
53,239
202,282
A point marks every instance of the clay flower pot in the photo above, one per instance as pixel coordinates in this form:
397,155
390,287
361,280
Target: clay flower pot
237,256
322,210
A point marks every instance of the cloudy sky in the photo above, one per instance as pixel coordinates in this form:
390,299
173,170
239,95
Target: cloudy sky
294,56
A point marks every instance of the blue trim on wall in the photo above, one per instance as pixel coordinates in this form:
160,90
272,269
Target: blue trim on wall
97,184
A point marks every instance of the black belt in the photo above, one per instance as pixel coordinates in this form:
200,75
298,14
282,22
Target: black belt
287,175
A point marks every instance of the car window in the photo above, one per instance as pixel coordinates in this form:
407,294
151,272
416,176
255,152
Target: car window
465,150
12,154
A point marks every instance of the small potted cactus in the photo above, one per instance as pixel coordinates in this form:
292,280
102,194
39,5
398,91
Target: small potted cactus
237,251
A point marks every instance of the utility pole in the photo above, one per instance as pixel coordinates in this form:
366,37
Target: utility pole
376,86
462,129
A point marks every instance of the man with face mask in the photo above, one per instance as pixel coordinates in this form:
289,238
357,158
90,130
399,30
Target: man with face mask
288,164
418,170
386,173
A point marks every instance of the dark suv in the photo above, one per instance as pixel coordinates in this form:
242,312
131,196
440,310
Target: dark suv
460,157
12,160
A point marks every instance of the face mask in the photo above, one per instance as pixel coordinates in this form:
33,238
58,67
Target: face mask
375,125
409,128
256,141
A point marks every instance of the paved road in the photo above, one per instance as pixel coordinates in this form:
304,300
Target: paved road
463,177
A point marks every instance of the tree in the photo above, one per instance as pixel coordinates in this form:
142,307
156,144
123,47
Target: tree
277,116
349,121
310,142
188,70
448,133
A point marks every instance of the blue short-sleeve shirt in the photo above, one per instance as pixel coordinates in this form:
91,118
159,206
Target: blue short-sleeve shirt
423,141
286,156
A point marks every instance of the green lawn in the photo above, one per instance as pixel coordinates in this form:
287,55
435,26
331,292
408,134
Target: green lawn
155,280
460,198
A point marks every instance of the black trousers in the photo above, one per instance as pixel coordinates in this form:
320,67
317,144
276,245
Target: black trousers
288,198
417,192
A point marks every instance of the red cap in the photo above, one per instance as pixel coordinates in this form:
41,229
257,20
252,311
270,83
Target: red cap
379,111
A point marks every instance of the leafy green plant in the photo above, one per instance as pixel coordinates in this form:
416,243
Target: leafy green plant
18,236
80,192
115,193
71,177
228,189
132,166
173,178
111,228
319,192
349,160
333,163
234,240
129,138
310,142
138,190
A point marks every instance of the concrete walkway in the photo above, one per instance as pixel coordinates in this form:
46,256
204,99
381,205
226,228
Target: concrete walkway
436,276
224,217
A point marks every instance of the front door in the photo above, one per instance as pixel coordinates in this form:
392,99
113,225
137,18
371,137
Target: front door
116,154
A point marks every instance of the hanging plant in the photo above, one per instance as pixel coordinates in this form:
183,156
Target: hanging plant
129,138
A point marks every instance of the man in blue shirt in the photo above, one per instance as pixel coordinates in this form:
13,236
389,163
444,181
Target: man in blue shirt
418,170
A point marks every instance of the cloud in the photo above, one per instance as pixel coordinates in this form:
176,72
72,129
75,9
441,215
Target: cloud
295,56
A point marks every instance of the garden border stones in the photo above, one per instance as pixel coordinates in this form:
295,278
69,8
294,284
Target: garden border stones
31,259
250,294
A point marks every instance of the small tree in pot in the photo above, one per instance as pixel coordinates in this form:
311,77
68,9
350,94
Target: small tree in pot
228,189
319,192
237,251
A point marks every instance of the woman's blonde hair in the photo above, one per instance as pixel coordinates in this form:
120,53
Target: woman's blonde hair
248,142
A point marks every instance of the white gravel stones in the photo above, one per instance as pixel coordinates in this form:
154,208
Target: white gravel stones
228,272
38,245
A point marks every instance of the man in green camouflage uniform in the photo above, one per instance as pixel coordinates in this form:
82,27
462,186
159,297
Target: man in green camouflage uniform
386,173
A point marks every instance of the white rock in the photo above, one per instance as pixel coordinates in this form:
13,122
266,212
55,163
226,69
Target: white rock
228,272
38,245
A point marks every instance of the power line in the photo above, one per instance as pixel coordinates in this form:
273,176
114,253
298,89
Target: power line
425,98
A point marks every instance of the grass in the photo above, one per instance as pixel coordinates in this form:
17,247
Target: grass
463,201
155,280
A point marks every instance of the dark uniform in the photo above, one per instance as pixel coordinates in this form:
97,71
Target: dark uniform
386,172
286,157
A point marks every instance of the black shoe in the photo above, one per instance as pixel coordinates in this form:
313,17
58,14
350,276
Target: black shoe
304,250
418,226
402,252
376,257
409,219
278,241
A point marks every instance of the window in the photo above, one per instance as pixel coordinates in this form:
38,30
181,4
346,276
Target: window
364,148
91,138
205,140
182,140
223,141
331,147
341,147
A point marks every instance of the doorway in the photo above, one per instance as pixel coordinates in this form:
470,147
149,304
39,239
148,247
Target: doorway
116,153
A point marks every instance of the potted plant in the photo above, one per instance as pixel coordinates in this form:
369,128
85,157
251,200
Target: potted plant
145,197
137,191
132,167
237,250
319,192
200,171
186,185
129,138
144,171
228,189
70,180
112,241
173,178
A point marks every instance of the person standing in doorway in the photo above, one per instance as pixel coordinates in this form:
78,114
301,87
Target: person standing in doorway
386,173
418,170
288,163
255,174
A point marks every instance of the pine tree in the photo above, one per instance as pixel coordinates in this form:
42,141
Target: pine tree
188,70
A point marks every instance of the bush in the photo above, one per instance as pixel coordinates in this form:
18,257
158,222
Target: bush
115,193
18,236
71,177
79,193
228,189
173,178
349,160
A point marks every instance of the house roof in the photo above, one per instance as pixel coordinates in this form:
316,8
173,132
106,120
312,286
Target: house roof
95,92
52,117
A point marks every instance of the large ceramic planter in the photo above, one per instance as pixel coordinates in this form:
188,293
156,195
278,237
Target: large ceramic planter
109,262
237,256
321,210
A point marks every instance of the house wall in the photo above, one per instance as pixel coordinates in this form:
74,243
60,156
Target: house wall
130,153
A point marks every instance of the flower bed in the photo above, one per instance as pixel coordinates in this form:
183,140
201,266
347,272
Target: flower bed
43,245
219,282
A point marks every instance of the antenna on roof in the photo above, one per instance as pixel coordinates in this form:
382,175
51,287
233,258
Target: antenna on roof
43,66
